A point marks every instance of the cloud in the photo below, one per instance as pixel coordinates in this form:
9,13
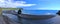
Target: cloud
11,3
44,8
47,9
47,0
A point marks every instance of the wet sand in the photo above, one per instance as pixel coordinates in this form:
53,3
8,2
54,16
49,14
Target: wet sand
8,20
55,19
36,16
1,20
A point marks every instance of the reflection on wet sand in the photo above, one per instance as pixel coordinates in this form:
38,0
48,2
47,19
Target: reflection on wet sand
55,20
11,18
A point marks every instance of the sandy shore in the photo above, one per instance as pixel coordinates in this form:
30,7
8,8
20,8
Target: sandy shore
55,18
36,16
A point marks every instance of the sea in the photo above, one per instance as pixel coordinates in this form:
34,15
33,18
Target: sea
39,12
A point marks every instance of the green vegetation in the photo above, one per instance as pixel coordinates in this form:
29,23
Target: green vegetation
7,9
0,11
10,8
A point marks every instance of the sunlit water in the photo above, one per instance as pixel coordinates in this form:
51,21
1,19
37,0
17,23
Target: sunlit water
39,12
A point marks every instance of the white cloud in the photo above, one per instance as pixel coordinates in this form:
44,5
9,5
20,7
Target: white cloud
47,0
47,9
10,3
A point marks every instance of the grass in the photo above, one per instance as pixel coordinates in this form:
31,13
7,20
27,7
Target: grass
7,9
10,8
0,11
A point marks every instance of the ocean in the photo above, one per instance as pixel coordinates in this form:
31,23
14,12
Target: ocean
39,12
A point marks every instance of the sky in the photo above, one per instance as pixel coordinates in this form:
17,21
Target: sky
31,4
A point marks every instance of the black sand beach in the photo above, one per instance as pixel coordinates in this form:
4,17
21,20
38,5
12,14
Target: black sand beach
56,19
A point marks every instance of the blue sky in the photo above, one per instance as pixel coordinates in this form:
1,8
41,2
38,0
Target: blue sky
45,4
32,4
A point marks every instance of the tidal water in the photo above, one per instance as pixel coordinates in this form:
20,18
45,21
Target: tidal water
39,12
